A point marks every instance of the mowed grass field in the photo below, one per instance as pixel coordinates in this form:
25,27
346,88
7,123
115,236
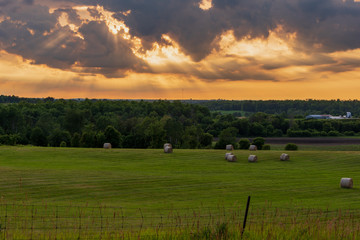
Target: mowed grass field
151,179
75,193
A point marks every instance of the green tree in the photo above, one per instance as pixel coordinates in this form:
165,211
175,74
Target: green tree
38,138
13,119
257,129
155,133
327,127
75,140
191,138
173,131
88,139
58,136
100,139
9,139
291,147
206,140
244,143
113,136
243,126
102,121
74,120
47,123
227,136
259,142
259,117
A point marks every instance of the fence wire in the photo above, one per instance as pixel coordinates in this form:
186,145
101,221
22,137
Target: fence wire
19,221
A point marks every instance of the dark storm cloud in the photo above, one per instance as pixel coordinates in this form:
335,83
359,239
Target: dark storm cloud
105,50
343,64
194,29
31,16
4,2
40,49
331,24
321,26
29,2
34,33
31,32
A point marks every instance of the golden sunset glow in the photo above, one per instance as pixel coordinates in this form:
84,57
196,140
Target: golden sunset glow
205,4
102,51
162,55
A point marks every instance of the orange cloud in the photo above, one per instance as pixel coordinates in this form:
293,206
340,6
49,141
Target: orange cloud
97,52
24,79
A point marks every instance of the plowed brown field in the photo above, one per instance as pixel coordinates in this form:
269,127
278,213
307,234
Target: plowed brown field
313,140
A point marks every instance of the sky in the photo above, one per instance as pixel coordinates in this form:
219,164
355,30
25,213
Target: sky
180,49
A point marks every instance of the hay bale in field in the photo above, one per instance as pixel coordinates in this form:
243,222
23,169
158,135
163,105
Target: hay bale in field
346,183
284,157
229,147
253,148
231,158
107,145
167,145
227,154
252,158
168,148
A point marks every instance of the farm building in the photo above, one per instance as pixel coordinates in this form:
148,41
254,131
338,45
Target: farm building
318,117
348,115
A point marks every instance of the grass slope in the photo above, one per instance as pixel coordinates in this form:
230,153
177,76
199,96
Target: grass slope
133,178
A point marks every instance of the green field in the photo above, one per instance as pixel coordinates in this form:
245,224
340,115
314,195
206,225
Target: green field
224,112
150,183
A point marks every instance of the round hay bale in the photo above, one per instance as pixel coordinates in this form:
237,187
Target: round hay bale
231,158
284,157
227,154
229,147
168,149
167,145
253,148
252,158
107,145
346,183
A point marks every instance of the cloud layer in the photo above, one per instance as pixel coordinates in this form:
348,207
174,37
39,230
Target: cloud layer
114,38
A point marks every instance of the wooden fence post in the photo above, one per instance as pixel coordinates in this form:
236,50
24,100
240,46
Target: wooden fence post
245,217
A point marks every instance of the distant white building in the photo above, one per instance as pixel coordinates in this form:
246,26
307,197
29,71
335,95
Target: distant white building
318,116
348,115
337,117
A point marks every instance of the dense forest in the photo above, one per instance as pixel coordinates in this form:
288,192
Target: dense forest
289,108
149,124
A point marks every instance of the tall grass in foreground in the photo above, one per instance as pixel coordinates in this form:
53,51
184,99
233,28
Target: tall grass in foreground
81,222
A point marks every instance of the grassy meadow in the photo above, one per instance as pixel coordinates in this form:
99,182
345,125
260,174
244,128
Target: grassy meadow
179,189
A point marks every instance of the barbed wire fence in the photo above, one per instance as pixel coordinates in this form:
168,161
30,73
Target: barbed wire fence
23,221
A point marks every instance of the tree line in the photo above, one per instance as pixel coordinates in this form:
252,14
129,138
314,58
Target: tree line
289,108
147,124
90,123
